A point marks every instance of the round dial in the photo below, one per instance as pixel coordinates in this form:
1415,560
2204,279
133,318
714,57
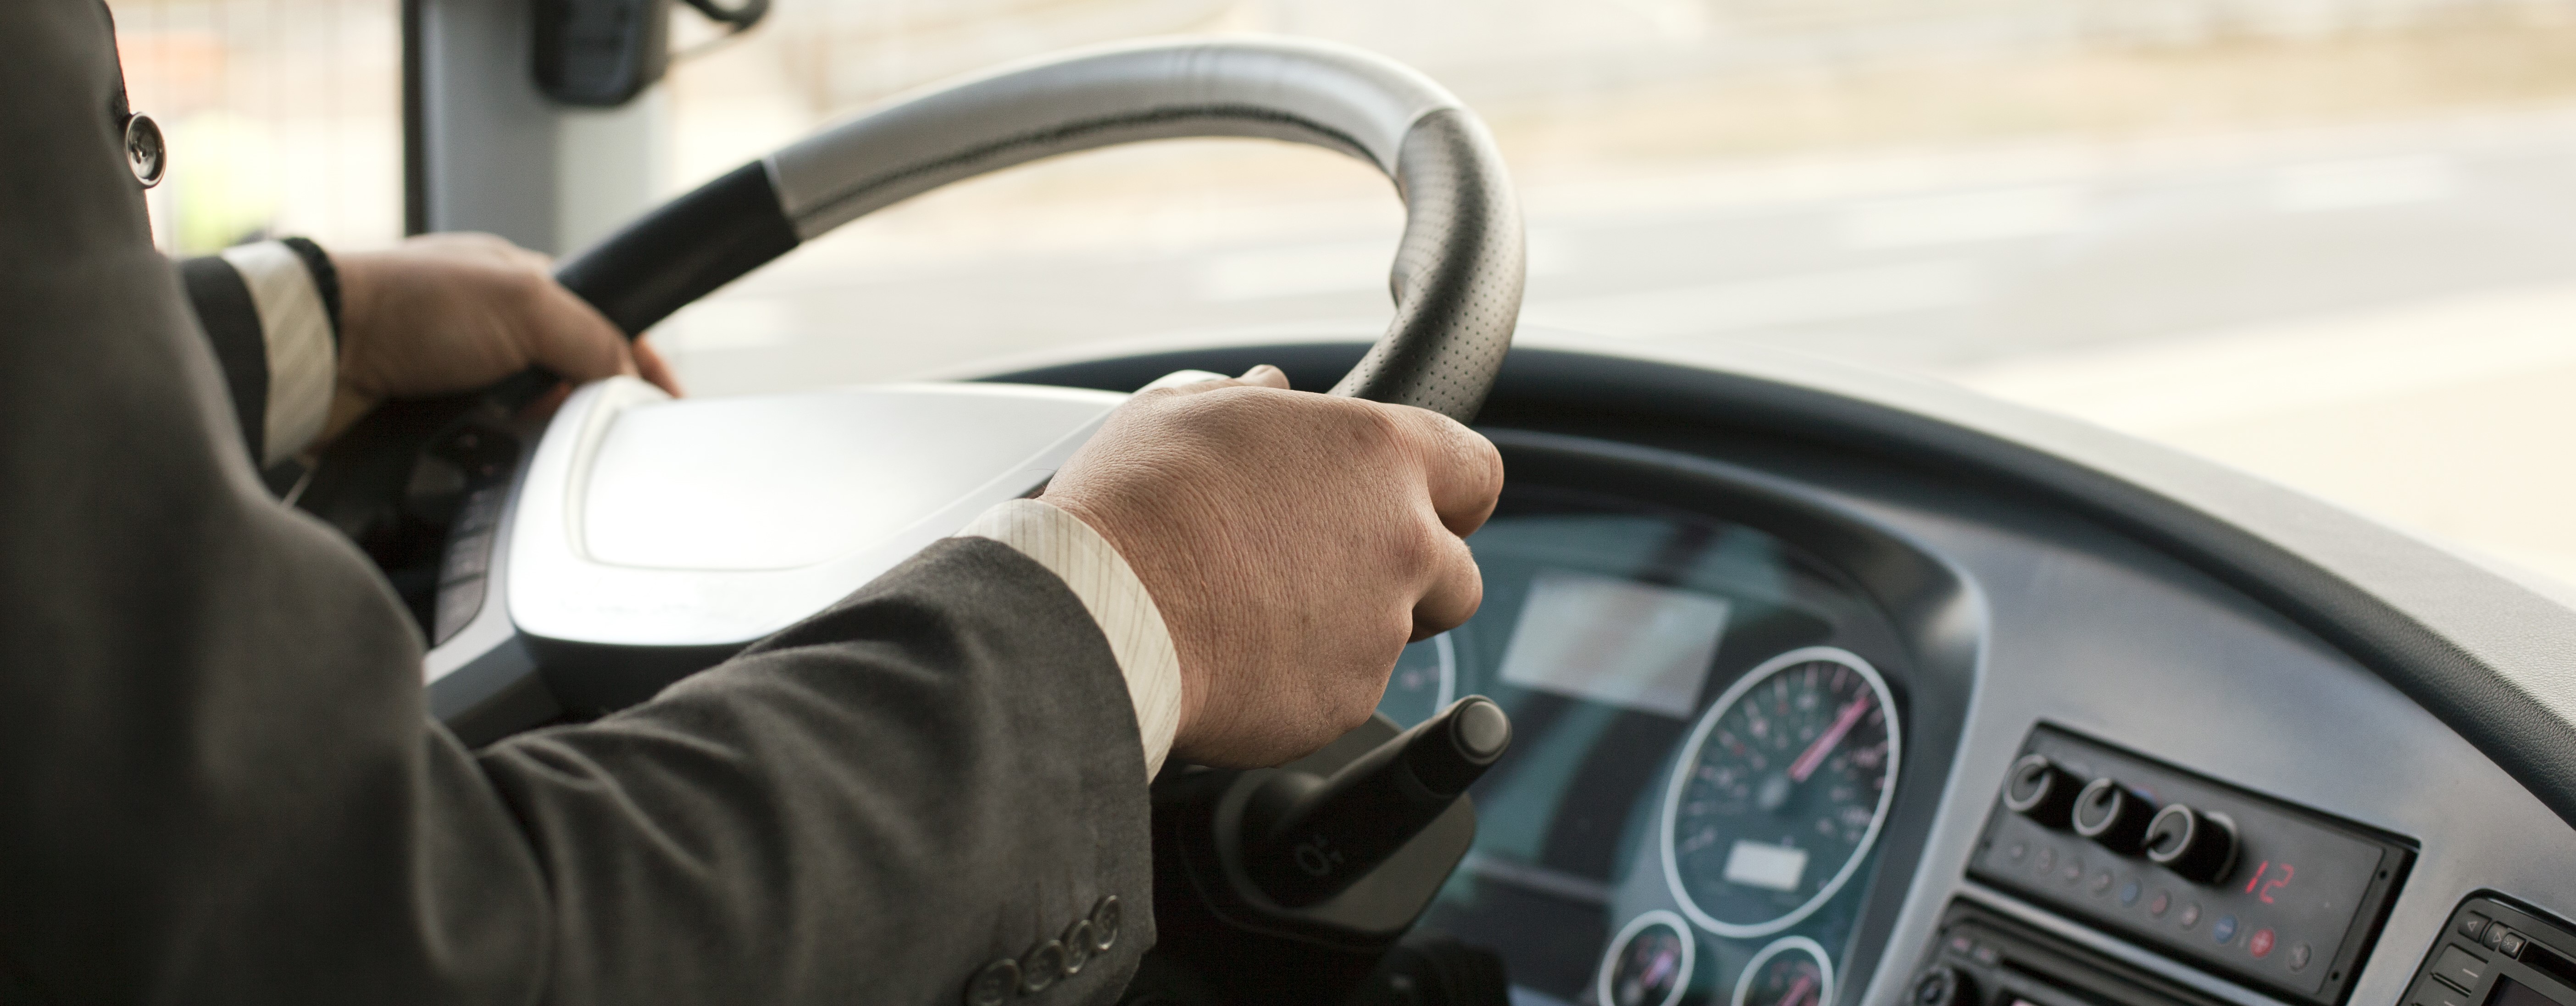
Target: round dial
1425,681
1780,791
1793,971
1649,964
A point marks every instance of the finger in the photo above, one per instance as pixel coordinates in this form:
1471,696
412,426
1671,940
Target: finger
1265,376
1457,589
1461,469
566,335
650,365
1262,376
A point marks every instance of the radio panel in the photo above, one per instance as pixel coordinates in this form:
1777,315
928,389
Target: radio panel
1982,958
2494,953
2258,891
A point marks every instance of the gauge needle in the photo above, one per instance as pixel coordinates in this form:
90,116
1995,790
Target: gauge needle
1799,990
1806,764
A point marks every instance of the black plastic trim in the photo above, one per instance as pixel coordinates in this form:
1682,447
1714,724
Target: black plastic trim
415,125
683,250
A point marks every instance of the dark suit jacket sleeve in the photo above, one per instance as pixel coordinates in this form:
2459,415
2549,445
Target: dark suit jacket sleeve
218,785
220,298
225,312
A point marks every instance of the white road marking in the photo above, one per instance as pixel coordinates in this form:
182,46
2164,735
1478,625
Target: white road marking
1335,267
1958,218
1769,302
2346,185
2299,365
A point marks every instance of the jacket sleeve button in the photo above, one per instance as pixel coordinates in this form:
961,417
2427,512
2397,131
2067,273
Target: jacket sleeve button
1041,967
1104,924
993,985
1077,946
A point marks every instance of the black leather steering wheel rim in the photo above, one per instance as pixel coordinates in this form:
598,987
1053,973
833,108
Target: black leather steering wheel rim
1457,275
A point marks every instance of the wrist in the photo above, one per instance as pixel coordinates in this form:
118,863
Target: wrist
326,280
361,290
1144,562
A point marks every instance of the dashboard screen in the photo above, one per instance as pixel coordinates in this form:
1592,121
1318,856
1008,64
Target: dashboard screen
1615,641
2513,993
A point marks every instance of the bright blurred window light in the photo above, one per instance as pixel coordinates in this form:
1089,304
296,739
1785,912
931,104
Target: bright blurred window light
2330,241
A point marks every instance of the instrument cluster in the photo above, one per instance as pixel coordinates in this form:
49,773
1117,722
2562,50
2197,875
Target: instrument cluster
1712,732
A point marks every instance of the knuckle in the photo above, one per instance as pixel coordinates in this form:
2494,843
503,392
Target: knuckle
526,285
1374,428
1417,550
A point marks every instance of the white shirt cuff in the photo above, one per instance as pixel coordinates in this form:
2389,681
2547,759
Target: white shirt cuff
1117,601
303,364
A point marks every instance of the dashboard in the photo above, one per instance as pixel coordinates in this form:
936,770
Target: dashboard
1806,720
1834,689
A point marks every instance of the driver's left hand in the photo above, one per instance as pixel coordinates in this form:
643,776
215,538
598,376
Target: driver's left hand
445,313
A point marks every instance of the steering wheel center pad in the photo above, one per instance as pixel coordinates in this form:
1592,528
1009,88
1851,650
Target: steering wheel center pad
644,521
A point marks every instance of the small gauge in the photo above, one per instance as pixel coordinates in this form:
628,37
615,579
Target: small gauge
1425,681
1792,971
1780,792
1651,963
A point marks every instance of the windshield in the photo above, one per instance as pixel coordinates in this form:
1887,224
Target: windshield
2329,241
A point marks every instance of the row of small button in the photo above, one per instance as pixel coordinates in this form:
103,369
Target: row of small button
2224,930
1048,962
2493,935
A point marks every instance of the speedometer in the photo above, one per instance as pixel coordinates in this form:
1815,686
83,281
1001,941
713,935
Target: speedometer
1780,791
1424,682
1792,972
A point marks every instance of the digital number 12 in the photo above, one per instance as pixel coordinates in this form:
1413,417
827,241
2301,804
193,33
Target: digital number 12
2287,872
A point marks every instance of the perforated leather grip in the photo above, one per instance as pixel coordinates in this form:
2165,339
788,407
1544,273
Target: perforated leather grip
1456,279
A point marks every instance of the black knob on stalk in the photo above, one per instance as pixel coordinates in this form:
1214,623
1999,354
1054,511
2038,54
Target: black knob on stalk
1942,985
2041,791
2111,816
1308,839
2198,845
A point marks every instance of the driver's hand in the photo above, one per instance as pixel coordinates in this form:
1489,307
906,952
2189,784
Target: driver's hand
1294,542
444,313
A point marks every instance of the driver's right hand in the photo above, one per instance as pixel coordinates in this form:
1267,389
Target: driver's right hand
1294,543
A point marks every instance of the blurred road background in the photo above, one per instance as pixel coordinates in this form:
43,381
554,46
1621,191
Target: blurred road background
2329,241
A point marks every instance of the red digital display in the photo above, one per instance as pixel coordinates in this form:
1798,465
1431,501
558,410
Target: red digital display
2269,877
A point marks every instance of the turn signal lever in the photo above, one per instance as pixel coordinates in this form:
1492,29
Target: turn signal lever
1309,838
1292,885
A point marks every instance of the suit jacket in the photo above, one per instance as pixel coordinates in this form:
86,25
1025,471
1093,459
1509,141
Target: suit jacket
218,784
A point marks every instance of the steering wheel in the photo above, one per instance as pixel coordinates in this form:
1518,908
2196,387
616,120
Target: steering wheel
1457,275
644,538
531,577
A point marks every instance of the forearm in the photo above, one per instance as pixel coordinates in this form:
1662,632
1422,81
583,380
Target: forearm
941,773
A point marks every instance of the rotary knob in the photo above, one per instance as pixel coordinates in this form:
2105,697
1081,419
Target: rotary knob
2111,816
1943,985
2198,845
2041,791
